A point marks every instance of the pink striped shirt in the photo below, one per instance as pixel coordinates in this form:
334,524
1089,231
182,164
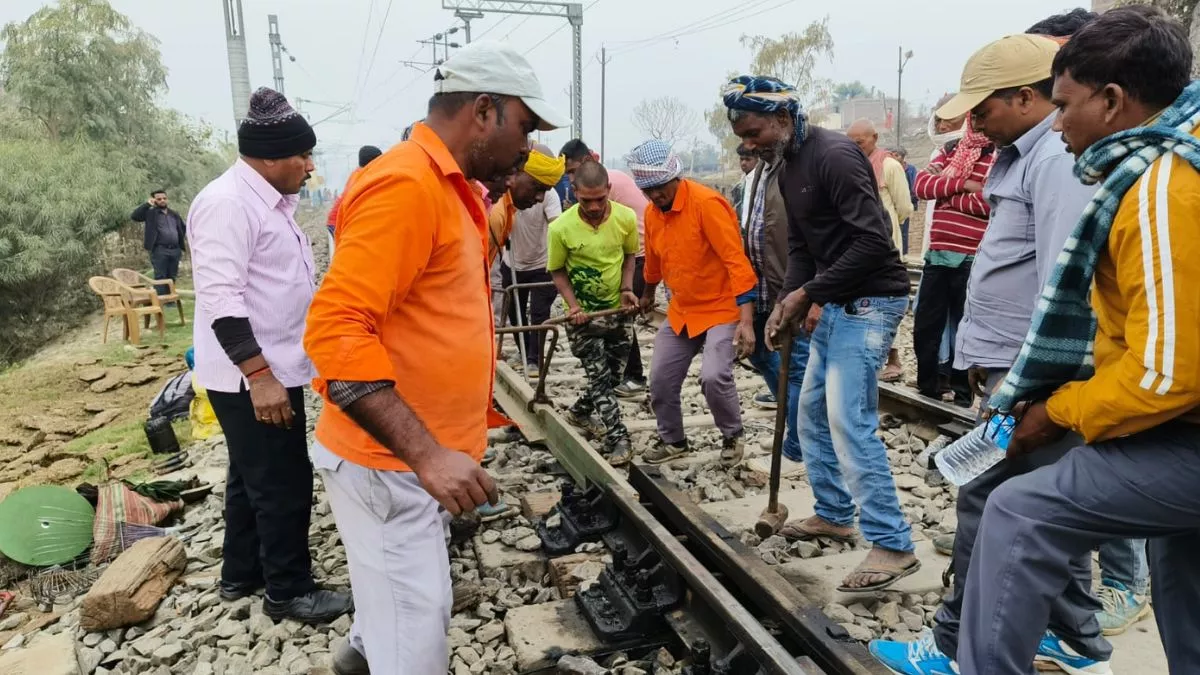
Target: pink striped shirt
249,260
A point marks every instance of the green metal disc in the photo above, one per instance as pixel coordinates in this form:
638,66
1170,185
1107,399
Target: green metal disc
45,525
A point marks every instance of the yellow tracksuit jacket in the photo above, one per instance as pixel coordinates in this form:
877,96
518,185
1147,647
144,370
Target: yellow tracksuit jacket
1146,295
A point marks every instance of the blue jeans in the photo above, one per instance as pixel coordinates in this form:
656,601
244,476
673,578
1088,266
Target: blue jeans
1124,561
838,419
767,363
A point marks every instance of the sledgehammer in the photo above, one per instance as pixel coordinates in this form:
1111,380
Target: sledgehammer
775,515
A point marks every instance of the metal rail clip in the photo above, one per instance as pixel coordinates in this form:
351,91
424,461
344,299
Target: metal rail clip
631,595
582,517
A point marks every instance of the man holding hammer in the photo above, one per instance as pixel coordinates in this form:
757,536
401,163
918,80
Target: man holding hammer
846,284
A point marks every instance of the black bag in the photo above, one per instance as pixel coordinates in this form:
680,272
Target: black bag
173,400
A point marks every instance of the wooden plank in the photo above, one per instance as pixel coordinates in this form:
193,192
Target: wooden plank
536,505
130,589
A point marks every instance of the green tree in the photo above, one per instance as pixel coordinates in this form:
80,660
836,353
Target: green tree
792,57
80,67
849,90
82,141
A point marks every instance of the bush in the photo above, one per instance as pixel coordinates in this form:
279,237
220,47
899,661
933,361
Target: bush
57,201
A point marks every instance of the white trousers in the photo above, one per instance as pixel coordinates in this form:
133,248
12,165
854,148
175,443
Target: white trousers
395,537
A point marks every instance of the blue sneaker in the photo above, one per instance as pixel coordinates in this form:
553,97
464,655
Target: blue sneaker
1122,607
919,657
1053,650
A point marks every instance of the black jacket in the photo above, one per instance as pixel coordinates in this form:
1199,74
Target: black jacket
839,236
152,216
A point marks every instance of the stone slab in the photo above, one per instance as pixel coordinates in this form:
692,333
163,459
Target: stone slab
693,421
497,556
818,578
539,634
741,514
54,655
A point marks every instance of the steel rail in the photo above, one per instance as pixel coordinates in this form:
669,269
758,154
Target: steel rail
807,626
585,465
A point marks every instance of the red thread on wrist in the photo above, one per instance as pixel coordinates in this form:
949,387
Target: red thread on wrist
260,371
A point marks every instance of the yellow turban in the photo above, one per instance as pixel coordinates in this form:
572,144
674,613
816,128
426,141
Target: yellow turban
545,169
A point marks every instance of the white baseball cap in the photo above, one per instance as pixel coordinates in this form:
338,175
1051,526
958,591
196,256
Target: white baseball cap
495,68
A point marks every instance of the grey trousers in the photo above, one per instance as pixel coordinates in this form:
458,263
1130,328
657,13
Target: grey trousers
673,355
1072,615
395,536
1143,485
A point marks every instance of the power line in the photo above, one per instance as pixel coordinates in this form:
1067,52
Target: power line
517,27
378,40
554,32
494,26
702,29
362,52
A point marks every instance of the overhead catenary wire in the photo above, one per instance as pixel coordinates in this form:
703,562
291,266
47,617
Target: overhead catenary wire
718,16
556,31
699,29
378,40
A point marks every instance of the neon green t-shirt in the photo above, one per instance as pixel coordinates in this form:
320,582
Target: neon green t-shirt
593,256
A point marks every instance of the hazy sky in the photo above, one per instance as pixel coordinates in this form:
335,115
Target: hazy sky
333,43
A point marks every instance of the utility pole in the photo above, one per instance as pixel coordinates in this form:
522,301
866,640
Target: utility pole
235,50
571,11
276,51
902,58
603,89
467,17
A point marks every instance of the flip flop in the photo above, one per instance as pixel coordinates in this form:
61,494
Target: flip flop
894,576
796,530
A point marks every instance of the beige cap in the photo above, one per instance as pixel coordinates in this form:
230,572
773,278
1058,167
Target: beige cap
495,68
1012,61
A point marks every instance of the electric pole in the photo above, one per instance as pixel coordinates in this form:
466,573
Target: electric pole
603,89
902,58
235,50
571,11
276,51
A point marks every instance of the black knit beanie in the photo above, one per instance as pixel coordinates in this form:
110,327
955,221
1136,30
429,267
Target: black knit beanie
273,129
367,153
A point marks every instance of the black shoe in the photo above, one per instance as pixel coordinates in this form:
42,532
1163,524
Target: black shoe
316,606
347,661
231,592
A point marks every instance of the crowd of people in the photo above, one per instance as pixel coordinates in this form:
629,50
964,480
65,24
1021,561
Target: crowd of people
1056,301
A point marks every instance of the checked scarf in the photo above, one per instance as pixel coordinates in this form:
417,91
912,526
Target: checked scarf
1058,347
763,94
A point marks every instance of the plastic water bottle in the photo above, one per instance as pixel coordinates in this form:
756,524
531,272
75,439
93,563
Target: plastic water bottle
965,459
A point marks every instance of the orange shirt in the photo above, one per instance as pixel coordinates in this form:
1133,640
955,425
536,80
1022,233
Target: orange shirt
407,299
500,223
696,248
337,203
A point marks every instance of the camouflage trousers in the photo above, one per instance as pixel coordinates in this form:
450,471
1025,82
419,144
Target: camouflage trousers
602,346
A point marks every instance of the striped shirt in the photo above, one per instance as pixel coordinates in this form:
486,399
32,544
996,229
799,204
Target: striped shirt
756,242
959,218
249,260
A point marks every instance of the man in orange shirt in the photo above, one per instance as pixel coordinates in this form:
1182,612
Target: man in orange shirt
694,245
401,336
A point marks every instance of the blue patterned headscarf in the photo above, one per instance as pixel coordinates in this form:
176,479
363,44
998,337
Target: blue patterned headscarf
766,95
652,164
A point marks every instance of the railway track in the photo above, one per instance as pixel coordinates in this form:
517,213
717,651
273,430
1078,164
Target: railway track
728,605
